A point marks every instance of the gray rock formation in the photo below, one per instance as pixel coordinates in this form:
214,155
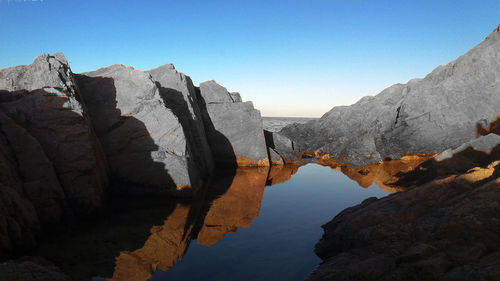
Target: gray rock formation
234,129
484,143
144,139
179,94
41,105
236,97
283,146
446,227
425,115
51,163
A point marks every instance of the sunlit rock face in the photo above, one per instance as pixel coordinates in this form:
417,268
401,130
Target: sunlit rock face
238,207
430,115
234,128
444,227
179,94
143,137
51,163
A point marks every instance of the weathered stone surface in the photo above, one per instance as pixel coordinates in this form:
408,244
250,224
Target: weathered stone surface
51,162
179,94
445,227
484,143
211,92
283,146
236,97
41,105
234,129
143,138
425,115
274,157
31,269
445,230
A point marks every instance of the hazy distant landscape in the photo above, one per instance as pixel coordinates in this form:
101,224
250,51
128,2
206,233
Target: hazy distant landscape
275,124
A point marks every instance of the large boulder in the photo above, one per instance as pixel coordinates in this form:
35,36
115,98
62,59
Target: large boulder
52,167
282,146
41,103
234,129
179,94
447,229
430,115
141,131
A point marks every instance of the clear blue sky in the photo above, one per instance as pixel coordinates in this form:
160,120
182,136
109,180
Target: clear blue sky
291,58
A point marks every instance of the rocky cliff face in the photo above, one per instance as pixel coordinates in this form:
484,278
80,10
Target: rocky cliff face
429,115
145,128
446,228
64,136
52,164
234,128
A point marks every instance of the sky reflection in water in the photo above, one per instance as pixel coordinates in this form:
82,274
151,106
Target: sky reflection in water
280,241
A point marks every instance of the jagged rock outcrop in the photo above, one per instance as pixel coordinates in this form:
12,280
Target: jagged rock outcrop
149,140
234,129
425,115
444,230
180,95
42,99
280,146
444,227
52,164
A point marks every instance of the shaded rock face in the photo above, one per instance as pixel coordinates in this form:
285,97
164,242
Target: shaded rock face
31,269
179,94
52,164
234,129
425,115
445,227
144,136
283,147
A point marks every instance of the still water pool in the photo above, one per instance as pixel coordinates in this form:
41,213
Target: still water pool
279,243
252,224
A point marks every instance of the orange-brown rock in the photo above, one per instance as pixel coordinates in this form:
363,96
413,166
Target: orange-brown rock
493,128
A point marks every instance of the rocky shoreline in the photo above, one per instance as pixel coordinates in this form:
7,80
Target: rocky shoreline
445,225
70,141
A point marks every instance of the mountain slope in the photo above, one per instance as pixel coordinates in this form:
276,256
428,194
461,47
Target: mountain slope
431,114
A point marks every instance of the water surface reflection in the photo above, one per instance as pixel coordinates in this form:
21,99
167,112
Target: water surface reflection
149,238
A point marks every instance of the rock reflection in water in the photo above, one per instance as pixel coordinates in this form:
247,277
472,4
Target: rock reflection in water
383,174
142,236
235,208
